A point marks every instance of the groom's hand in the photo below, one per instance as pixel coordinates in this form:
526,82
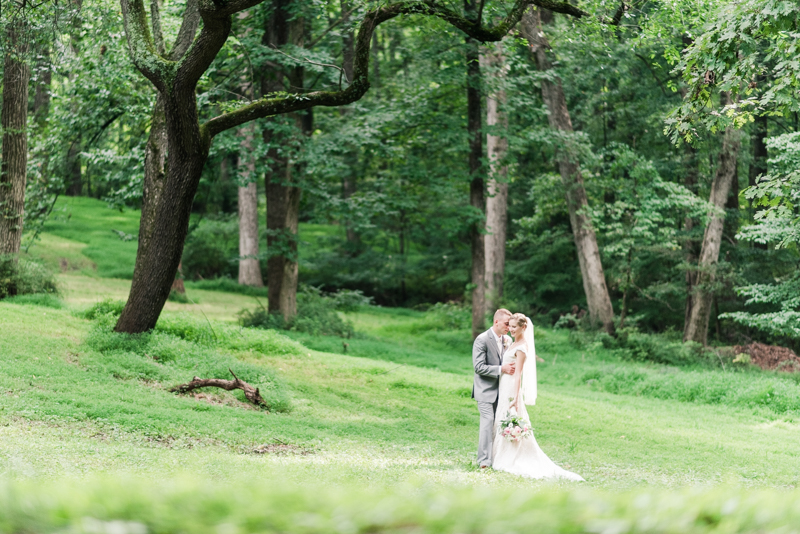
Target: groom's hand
508,368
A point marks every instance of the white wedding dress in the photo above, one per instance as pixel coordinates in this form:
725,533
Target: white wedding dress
523,457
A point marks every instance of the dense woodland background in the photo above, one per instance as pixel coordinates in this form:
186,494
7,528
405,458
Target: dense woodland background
674,111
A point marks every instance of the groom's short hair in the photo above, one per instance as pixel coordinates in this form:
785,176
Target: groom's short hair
500,313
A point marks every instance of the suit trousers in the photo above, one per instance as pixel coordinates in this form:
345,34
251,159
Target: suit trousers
486,433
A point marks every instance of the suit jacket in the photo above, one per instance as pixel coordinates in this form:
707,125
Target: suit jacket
486,359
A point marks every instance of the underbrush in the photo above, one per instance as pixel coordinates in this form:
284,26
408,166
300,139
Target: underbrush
316,315
139,507
667,348
227,285
25,277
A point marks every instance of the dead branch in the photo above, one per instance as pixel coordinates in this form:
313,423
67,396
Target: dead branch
250,392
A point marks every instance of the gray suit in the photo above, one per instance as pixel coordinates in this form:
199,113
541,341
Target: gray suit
486,359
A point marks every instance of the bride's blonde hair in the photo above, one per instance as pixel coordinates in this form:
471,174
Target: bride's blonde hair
520,320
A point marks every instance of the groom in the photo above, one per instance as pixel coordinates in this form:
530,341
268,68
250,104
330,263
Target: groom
487,353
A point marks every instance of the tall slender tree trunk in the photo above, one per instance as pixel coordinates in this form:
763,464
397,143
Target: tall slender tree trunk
696,328
283,194
594,281
16,76
690,246
476,185
249,266
497,200
350,177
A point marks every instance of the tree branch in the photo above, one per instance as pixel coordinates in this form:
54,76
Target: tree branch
155,22
144,55
187,31
270,106
252,394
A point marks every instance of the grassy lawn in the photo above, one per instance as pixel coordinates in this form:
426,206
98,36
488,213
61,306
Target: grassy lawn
388,408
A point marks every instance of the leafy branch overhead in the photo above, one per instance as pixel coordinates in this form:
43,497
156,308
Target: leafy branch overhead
169,73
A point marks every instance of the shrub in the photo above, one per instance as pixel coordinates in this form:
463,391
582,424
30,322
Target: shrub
347,300
177,296
446,316
316,314
25,277
212,249
228,285
105,307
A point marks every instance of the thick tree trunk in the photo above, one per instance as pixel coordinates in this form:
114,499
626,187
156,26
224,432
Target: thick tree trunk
476,187
166,207
696,328
16,76
249,266
497,200
594,281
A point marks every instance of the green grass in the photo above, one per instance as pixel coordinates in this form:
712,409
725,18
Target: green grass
389,426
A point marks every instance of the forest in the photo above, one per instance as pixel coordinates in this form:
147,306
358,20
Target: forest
630,162
247,248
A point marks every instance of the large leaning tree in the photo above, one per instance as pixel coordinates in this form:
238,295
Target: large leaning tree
175,76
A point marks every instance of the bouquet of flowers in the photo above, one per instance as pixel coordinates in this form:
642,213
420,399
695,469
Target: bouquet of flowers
514,427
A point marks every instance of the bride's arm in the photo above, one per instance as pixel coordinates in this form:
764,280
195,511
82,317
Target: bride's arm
518,378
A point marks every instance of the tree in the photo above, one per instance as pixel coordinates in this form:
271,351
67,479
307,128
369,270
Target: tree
696,328
16,75
189,141
594,282
497,199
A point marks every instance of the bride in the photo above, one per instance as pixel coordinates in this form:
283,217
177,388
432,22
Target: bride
523,457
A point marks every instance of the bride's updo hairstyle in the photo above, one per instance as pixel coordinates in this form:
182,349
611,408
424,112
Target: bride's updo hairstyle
519,319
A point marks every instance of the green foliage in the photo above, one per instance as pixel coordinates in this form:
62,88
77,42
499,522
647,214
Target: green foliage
107,306
227,285
750,49
21,276
212,250
775,306
316,314
664,349
177,296
446,316
347,300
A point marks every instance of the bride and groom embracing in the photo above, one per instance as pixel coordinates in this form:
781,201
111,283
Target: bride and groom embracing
505,381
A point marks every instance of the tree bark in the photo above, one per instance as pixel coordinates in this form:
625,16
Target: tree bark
283,194
696,328
165,213
690,246
594,281
350,177
476,186
16,76
249,266
497,200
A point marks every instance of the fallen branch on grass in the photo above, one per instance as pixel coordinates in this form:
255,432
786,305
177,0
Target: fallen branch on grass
250,392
